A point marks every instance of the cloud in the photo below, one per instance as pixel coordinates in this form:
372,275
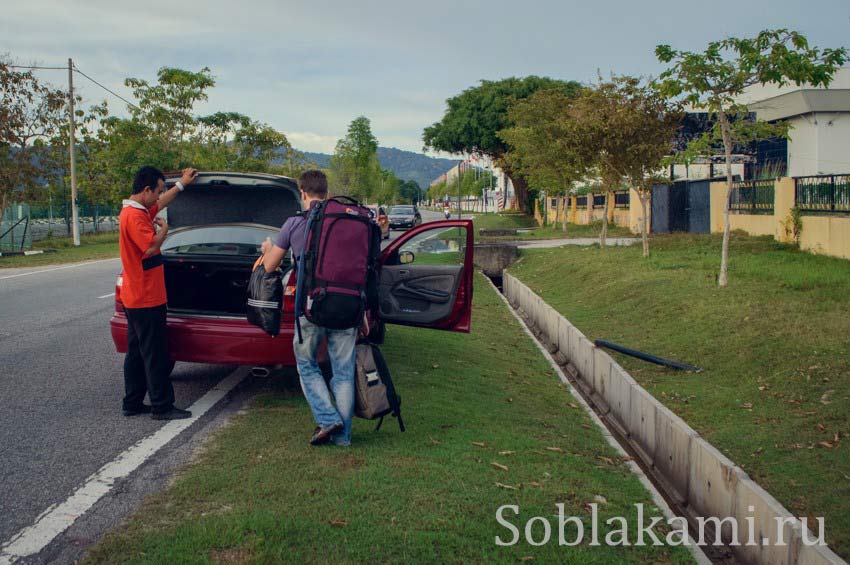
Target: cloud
309,141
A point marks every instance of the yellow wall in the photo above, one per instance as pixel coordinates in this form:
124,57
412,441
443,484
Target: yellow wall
827,235
753,224
622,217
635,220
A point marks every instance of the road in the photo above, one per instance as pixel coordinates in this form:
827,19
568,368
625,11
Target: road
61,386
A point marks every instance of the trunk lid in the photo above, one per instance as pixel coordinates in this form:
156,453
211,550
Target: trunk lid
224,198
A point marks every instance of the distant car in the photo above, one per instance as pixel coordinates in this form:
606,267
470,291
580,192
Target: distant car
217,226
405,216
382,219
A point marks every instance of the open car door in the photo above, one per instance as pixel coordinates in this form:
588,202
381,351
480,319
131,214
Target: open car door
426,277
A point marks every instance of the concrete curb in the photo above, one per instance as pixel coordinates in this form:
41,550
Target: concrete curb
698,476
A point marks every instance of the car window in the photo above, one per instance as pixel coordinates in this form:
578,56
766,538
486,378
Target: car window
401,210
382,212
436,247
216,240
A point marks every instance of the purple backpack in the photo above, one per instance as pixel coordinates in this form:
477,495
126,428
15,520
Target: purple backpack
338,271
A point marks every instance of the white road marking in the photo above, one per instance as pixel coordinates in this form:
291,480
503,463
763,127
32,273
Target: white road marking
59,517
107,295
659,501
57,268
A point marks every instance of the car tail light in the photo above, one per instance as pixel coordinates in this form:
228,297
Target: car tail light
289,294
119,306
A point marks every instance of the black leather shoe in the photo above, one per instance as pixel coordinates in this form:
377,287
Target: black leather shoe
323,435
143,409
173,414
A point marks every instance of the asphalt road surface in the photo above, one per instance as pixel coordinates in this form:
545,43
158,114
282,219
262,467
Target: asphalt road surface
61,386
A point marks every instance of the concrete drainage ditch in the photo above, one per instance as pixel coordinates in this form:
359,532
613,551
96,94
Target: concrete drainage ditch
696,480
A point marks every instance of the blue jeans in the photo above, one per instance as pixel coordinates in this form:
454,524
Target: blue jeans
341,354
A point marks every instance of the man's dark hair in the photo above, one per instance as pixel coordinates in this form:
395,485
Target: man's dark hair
314,183
146,176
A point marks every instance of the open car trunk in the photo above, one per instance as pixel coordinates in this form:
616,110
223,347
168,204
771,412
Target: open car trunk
207,286
220,221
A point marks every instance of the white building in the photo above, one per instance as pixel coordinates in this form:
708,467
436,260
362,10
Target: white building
820,122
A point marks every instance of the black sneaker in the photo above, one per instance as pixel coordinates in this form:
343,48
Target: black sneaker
143,409
323,435
173,414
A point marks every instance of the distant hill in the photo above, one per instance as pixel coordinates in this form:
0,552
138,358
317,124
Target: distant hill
406,165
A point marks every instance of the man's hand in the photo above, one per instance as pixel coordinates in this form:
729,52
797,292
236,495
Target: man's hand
266,245
189,176
160,236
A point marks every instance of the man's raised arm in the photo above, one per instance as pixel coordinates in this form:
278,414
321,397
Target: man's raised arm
188,177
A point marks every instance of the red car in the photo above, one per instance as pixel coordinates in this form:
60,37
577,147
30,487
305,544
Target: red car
382,219
217,225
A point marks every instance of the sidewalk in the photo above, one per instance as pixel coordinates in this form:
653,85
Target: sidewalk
581,241
480,435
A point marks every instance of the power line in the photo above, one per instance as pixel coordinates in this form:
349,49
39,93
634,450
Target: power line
106,89
77,70
37,67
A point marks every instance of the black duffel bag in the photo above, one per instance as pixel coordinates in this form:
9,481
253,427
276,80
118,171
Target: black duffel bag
265,295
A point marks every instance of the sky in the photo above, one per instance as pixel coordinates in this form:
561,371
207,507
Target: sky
309,68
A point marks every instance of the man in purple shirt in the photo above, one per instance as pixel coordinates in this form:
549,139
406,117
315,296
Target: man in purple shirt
333,423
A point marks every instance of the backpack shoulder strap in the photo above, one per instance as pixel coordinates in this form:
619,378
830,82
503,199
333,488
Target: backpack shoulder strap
392,396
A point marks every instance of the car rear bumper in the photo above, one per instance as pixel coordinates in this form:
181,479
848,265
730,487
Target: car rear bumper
222,341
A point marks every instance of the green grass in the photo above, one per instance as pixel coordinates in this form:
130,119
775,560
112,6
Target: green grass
260,493
99,246
521,221
774,347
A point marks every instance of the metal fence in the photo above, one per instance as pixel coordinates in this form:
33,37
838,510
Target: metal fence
581,202
15,232
622,200
752,197
823,194
22,224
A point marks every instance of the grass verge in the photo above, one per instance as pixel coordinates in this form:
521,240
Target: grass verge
775,349
259,493
99,246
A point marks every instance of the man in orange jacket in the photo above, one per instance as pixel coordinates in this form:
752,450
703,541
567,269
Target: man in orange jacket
146,365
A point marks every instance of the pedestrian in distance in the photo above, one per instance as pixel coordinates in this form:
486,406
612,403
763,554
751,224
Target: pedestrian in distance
147,367
333,422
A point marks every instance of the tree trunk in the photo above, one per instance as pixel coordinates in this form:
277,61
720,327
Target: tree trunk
723,278
644,200
603,235
520,190
564,220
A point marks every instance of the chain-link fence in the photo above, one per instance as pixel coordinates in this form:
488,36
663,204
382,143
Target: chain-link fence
37,221
15,232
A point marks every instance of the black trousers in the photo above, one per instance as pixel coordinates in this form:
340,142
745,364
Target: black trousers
146,366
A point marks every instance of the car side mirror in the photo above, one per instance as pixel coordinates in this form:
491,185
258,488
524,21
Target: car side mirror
406,257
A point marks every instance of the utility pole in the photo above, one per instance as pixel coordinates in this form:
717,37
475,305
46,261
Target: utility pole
459,209
75,227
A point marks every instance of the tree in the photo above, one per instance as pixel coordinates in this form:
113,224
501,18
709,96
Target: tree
166,107
30,111
542,146
713,79
410,191
473,119
354,165
634,126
